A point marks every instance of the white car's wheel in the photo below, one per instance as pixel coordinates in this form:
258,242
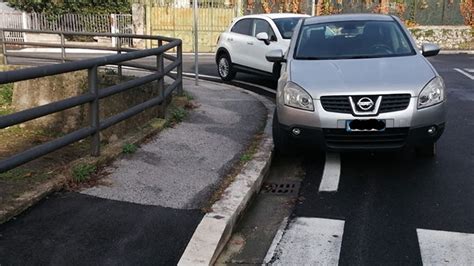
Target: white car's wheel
224,67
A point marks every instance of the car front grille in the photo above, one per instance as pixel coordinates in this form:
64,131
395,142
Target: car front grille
394,102
342,139
390,103
336,104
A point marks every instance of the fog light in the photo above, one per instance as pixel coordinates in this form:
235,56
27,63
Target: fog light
432,130
296,131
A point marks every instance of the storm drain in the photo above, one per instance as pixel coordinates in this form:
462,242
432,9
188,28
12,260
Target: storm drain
285,188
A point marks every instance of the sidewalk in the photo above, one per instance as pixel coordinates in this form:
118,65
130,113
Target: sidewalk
151,205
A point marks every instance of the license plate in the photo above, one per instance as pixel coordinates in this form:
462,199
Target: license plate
365,125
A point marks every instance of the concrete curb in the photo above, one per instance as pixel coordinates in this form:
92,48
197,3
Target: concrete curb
216,227
456,52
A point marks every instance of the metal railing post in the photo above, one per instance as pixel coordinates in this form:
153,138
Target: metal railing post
4,49
63,50
119,51
160,67
94,111
180,68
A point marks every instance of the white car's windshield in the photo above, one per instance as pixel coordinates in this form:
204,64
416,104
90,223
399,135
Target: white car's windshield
352,39
286,26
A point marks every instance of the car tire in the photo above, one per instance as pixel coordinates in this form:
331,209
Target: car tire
426,150
224,67
276,71
281,140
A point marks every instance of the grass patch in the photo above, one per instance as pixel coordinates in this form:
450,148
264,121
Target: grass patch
15,174
178,114
4,110
246,157
6,94
19,174
129,148
83,172
188,96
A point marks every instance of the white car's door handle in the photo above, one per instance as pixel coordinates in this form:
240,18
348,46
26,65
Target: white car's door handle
250,43
230,39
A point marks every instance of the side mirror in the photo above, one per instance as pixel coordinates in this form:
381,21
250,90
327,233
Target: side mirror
263,36
275,56
429,49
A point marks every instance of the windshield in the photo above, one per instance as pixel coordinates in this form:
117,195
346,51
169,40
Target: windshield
352,39
286,26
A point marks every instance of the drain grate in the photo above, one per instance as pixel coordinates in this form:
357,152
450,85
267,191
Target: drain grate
285,188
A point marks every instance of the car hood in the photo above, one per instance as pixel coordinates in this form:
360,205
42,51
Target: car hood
407,74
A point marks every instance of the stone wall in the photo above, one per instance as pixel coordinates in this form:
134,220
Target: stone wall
447,37
36,92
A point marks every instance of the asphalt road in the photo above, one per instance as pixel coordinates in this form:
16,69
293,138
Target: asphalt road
389,208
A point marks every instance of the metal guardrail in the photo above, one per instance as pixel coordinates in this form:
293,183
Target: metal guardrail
94,95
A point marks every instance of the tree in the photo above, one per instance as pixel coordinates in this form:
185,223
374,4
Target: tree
71,6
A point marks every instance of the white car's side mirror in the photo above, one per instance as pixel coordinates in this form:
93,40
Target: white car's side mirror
275,56
263,36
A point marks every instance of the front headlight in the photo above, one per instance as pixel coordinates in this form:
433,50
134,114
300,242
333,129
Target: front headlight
432,93
297,97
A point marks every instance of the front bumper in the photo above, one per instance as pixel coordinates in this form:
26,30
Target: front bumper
341,140
327,129
411,117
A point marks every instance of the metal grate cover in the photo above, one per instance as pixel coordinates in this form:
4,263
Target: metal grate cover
284,188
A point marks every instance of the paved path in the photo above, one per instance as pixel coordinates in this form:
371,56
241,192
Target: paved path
151,209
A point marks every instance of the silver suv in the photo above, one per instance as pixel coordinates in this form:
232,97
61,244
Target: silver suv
358,82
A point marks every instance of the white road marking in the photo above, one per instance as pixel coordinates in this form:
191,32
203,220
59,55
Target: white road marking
331,174
310,241
464,73
446,248
276,240
235,81
470,70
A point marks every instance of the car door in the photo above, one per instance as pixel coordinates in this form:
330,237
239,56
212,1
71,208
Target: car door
239,38
258,49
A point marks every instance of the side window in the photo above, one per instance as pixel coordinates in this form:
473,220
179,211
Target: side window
261,25
243,27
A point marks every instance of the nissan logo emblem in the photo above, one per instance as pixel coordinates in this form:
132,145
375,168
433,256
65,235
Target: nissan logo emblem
365,103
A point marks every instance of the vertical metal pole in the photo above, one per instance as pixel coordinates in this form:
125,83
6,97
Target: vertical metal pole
119,51
443,13
94,111
180,68
196,46
4,49
63,50
313,7
160,67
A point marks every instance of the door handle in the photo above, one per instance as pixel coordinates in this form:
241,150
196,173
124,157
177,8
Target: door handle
230,39
250,43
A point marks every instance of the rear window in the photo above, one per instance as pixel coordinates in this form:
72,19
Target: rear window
243,27
352,39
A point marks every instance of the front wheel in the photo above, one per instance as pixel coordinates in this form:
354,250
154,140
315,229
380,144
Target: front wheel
224,67
426,150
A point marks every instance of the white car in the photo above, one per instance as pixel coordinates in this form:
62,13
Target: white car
242,47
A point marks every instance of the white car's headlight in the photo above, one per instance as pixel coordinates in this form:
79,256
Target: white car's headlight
433,93
297,97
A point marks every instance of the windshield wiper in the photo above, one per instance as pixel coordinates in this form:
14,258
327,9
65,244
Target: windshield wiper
309,58
359,57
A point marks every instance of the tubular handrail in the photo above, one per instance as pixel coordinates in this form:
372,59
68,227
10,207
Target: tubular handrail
50,70
101,34
94,95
